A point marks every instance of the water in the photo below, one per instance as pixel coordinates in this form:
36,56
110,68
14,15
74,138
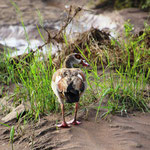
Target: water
14,36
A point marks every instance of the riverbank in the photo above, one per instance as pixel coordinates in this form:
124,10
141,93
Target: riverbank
114,111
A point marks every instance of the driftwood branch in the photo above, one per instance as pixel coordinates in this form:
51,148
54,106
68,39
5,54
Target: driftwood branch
58,36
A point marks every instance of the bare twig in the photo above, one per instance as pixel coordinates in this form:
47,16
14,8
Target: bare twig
58,36
69,19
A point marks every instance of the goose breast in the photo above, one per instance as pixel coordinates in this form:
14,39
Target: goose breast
69,77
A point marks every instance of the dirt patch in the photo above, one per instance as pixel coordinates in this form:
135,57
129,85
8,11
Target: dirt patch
40,136
115,133
120,133
51,10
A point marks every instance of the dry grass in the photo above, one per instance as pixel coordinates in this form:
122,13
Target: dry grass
98,47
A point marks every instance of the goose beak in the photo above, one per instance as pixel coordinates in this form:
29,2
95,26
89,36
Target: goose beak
84,63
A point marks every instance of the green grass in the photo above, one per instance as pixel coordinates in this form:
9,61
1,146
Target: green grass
126,85
12,132
35,80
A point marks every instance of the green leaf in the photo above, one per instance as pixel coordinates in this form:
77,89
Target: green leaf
12,132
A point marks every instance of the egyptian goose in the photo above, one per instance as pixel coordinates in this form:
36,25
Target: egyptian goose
69,84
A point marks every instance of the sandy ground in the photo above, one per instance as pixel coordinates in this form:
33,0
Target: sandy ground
121,133
115,133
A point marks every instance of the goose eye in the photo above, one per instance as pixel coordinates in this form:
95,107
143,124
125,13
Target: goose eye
78,56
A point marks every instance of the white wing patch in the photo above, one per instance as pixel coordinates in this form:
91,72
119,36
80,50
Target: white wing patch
58,78
80,76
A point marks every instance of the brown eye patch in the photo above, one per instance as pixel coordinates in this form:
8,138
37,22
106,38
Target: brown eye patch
78,56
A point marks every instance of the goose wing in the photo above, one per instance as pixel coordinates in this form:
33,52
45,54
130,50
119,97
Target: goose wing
70,83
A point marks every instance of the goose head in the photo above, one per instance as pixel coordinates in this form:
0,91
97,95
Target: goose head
73,59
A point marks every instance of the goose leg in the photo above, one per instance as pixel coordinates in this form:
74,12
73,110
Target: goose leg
63,124
74,121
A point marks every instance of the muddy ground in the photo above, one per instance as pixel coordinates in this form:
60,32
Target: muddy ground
114,133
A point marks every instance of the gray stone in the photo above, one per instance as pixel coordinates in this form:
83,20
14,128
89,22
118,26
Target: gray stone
14,113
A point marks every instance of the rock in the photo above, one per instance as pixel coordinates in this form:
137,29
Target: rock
7,107
14,113
6,103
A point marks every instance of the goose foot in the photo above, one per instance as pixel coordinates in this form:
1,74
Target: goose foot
74,122
63,125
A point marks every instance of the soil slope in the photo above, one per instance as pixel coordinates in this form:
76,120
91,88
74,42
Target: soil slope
115,133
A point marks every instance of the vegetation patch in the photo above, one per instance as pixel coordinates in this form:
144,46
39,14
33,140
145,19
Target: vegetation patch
119,71
120,4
